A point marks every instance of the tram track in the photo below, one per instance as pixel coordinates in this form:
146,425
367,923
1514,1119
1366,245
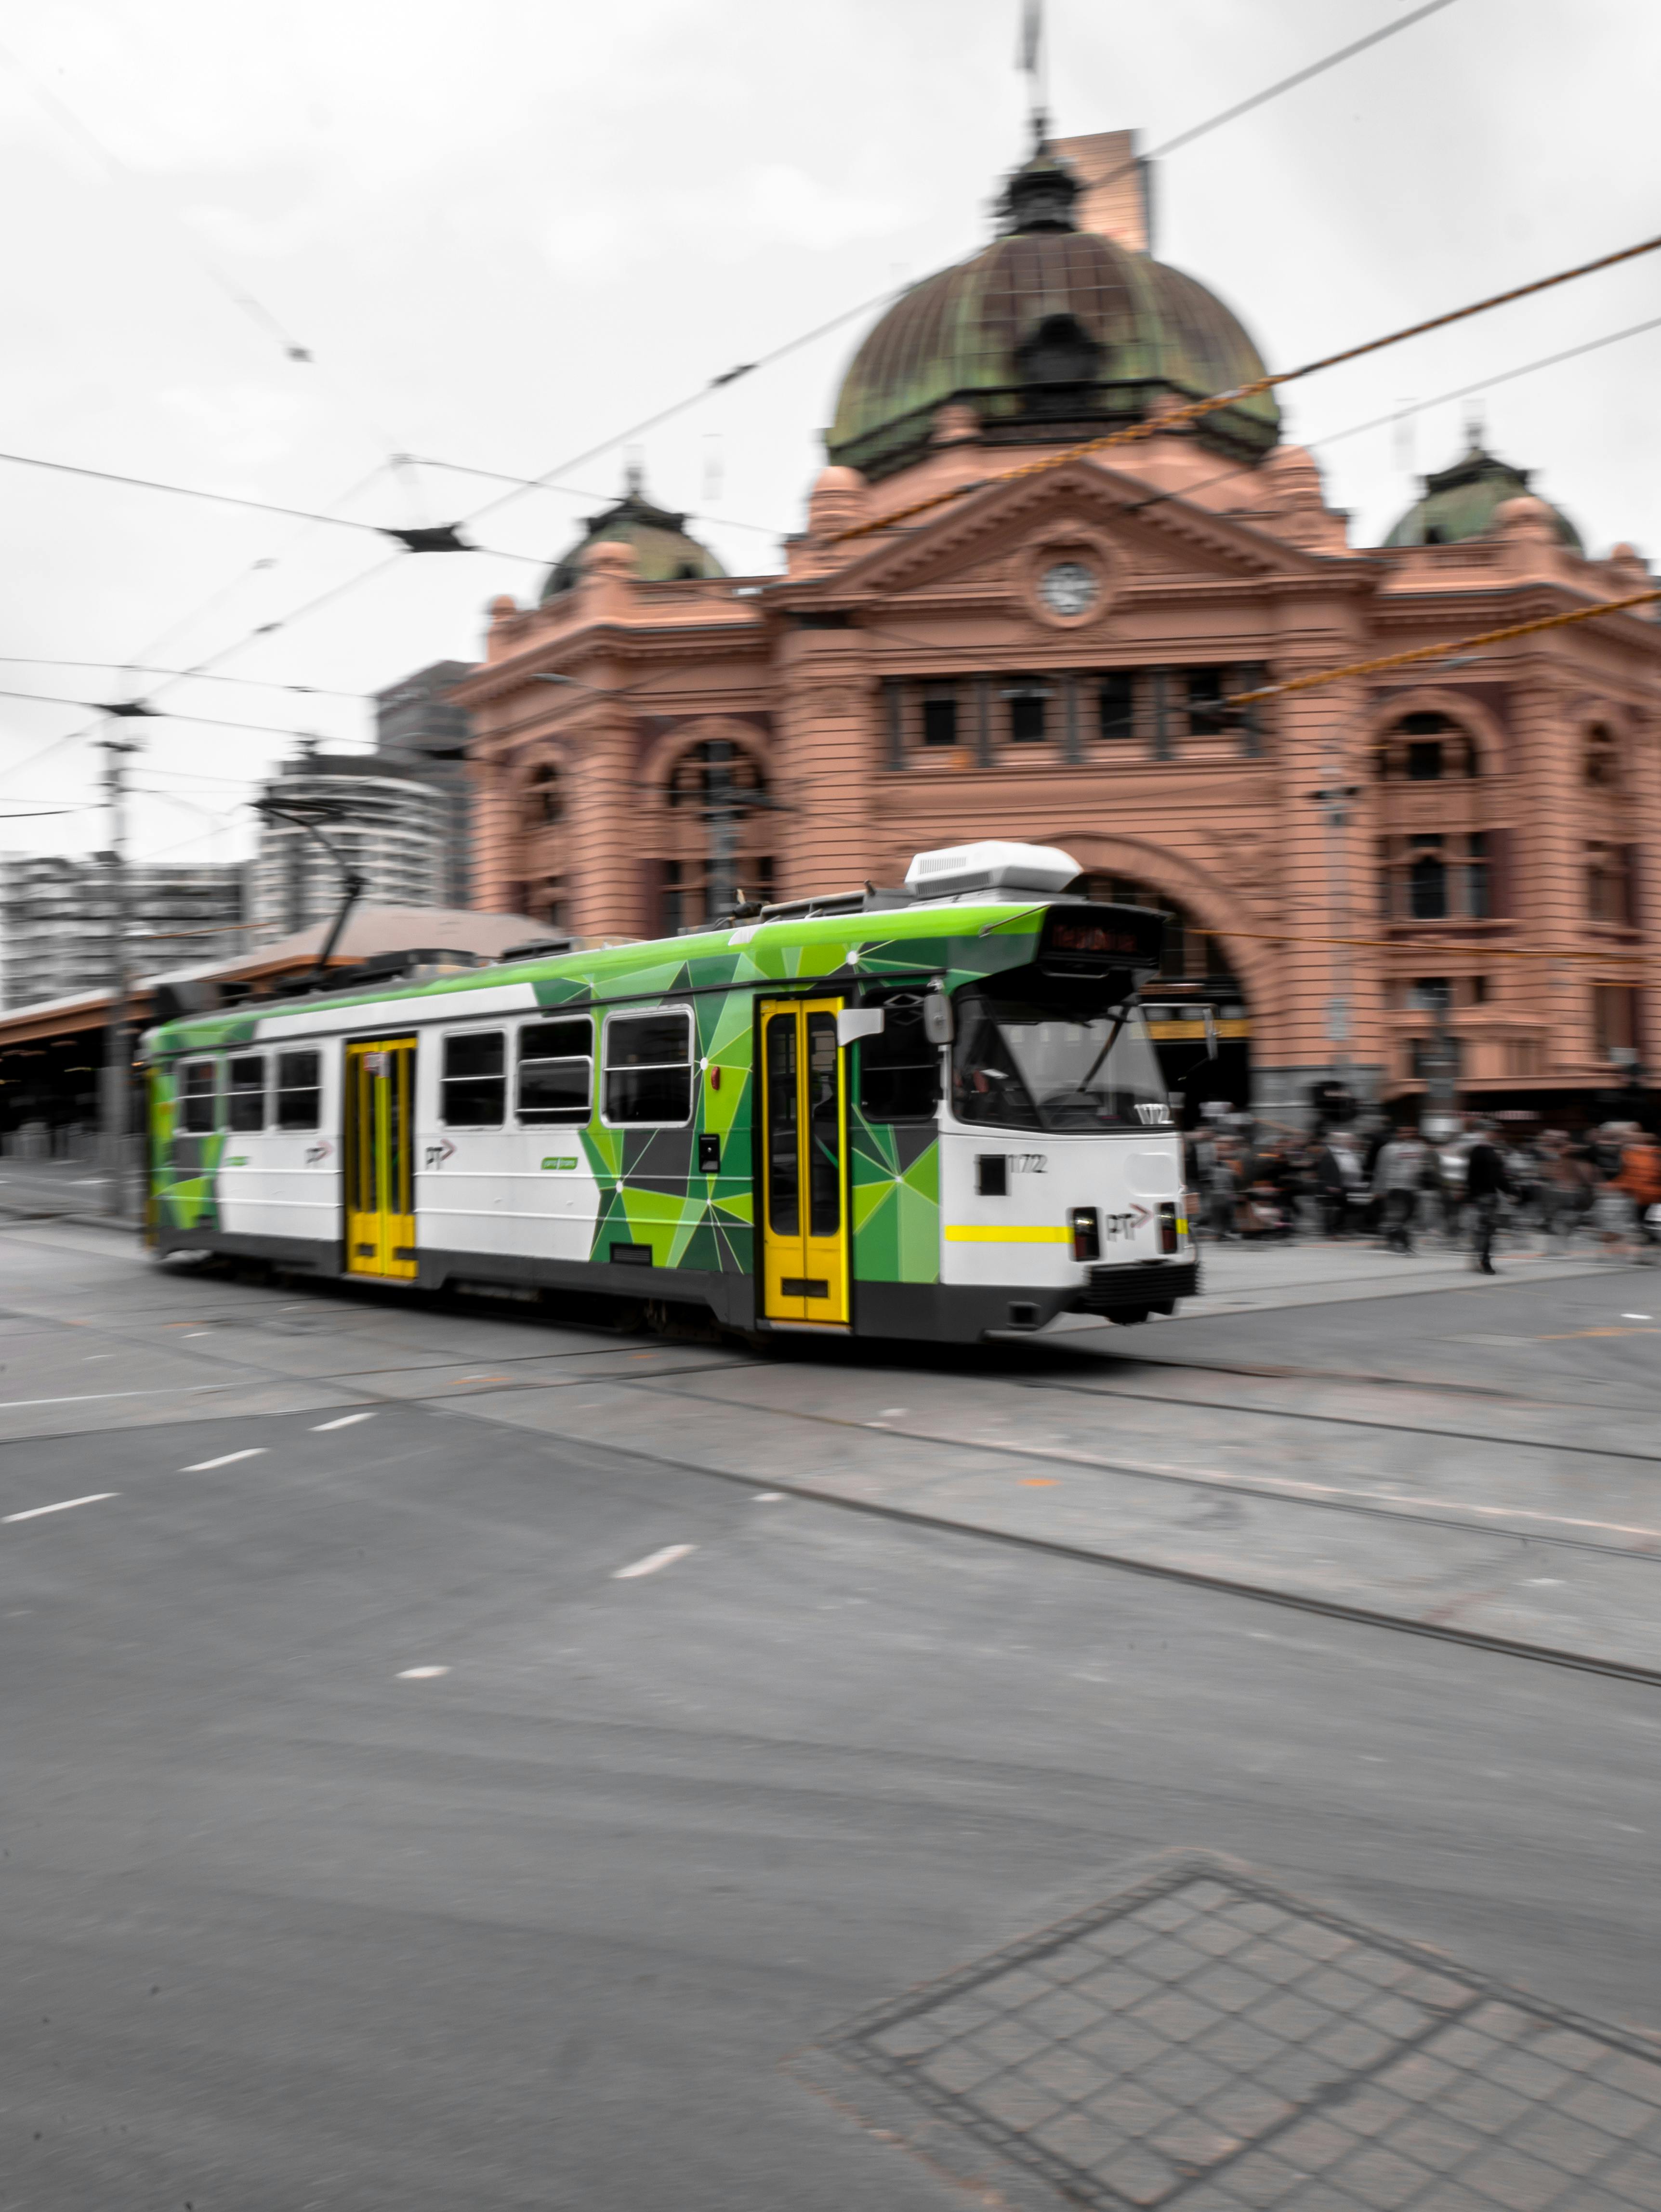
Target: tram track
1376,1505
1158,1571
1351,1420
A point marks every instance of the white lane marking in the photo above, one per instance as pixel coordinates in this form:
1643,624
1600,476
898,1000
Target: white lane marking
1637,1317
63,1505
890,1412
189,1333
420,1674
225,1459
652,1561
344,1422
87,1397
767,1498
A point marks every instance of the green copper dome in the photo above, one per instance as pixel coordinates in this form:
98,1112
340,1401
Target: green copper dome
1461,502
1050,332
663,551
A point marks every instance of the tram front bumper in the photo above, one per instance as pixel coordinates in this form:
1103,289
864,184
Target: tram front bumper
1131,1292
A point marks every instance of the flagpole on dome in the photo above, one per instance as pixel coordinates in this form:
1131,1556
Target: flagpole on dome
1030,58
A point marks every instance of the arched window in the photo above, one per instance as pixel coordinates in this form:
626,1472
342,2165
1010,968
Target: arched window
711,770
543,802
1426,748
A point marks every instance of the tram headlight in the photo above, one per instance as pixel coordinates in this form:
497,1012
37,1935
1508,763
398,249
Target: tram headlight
1086,1233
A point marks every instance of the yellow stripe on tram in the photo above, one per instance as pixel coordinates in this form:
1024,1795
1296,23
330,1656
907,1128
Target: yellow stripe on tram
957,1232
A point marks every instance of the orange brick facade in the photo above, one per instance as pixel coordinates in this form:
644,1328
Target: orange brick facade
1487,830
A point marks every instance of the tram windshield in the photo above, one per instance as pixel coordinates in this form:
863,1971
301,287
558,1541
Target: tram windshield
1020,1065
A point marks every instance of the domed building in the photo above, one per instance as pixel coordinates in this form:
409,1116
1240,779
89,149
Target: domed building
1464,502
1050,331
1024,600
664,554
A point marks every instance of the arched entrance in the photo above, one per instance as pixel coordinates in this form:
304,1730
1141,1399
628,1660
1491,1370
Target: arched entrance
1195,977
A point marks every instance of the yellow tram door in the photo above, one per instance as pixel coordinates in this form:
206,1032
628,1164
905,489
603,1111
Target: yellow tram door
804,1144
380,1134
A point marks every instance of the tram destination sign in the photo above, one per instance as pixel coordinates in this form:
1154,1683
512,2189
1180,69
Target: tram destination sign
1095,941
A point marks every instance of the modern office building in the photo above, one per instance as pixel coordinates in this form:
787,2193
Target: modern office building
57,930
419,726
386,820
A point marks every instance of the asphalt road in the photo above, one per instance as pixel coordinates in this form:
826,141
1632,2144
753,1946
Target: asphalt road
290,1929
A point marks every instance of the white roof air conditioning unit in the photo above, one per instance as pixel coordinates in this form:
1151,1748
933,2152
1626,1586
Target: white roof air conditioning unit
994,865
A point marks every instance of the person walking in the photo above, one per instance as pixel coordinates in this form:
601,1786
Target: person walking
1397,1174
1487,1180
1640,1183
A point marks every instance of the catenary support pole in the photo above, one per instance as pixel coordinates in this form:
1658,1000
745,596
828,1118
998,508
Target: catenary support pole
117,1079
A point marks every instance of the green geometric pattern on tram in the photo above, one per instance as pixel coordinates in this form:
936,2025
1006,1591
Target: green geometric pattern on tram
897,1209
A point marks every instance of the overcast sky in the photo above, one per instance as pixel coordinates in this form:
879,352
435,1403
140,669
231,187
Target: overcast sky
506,230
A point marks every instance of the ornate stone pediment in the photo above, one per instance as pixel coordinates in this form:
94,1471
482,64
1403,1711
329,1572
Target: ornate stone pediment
1143,538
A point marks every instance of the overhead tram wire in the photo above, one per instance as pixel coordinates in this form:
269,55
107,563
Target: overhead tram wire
1273,91
1402,414
548,482
1320,677
1156,425
233,288
1171,145
142,668
434,537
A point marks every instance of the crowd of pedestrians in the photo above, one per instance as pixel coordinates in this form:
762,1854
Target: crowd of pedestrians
1377,1179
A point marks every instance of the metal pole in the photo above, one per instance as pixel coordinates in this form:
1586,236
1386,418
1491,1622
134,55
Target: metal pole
721,889
118,1052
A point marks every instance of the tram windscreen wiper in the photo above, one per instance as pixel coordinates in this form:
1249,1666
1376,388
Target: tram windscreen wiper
1112,1039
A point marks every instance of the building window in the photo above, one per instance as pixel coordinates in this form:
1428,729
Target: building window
1614,1020
1478,886
939,715
474,1090
1425,749
543,802
1207,687
712,771
1602,761
1430,995
648,1067
1116,708
556,1070
245,1100
199,1097
1427,882
1027,702
1609,886
299,1089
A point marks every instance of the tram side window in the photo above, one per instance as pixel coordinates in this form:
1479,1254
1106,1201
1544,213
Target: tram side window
556,1070
245,1096
199,1097
899,1069
474,1090
648,1067
299,1089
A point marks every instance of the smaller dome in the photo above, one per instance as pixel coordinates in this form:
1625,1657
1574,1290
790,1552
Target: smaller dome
1464,502
664,554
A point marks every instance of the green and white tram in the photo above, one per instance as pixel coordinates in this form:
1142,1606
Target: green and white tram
925,1113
